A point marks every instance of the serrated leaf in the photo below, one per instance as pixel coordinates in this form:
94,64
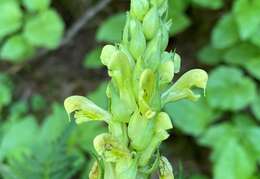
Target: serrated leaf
210,55
195,121
247,15
225,32
242,53
36,5
16,49
111,30
229,89
92,59
10,18
216,4
45,29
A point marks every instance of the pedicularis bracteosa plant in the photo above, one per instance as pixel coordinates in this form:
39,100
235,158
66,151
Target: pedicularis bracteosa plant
141,72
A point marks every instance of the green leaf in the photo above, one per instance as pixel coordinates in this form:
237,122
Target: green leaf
5,90
99,95
229,89
10,18
255,107
45,29
255,38
253,67
225,32
36,5
38,102
16,49
195,121
92,59
236,159
247,15
17,139
242,53
210,55
180,22
111,30
216,4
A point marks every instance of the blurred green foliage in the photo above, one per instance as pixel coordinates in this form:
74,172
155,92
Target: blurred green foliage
27,25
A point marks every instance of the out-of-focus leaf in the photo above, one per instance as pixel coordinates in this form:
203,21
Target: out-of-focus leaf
36,5
10,17
180,22
242,53
92,59
253,67
54,124
256,107
112,29
16,49
210,55
229,89
238,161
99,96
247,15
195,121
225,32
5,90
17,139
38,102
255,38
45,29
216,4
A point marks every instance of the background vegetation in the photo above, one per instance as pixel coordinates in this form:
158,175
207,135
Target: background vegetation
50,50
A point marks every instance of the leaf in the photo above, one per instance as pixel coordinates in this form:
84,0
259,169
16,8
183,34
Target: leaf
247,17
193,122
242,53
225,32
255,38
255,107
210,55
229,89
180,22
16,49
45,29
5,90
16,140
99,95
10,18
92,59
216,4
236,158
36,5
253,67
111,30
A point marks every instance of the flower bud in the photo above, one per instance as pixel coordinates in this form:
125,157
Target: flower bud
140,131
182,88
165,28
165,169
118,130
109,148
84,110
166,72
107,53
177,62
137,44
152,54
163,122
139,8
151,23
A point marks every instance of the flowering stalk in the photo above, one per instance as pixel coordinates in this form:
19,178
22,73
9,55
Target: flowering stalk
141,72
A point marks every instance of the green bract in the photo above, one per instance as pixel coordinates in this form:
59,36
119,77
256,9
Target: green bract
141,72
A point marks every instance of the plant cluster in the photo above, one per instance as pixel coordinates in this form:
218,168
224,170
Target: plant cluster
141,72
26,26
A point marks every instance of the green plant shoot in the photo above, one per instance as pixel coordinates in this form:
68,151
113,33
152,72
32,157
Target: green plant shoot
141,72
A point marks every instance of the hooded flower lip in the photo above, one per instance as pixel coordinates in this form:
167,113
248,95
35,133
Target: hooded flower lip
85,110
